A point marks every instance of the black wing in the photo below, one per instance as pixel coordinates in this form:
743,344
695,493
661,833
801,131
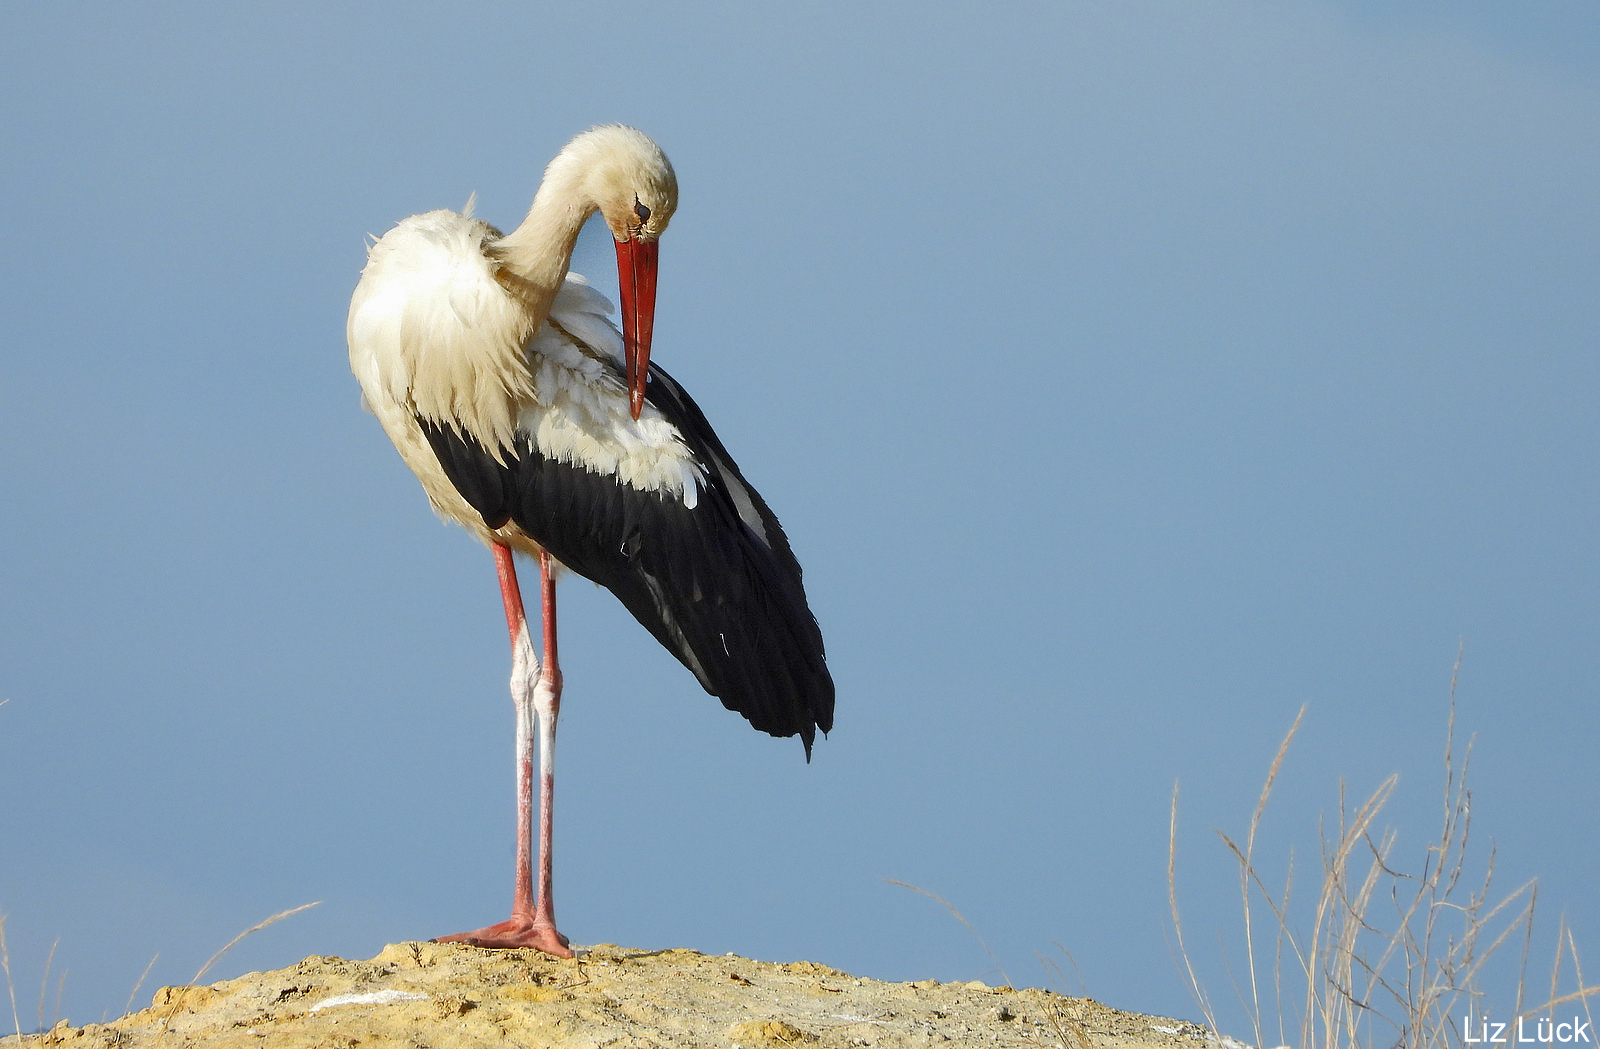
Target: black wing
716,584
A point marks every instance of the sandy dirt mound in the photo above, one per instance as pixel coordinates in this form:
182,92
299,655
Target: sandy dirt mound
445,996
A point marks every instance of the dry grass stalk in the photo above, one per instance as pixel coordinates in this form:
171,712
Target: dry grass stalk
1196,988
177,999
1383,975
44,983
11,988
962,919
257,927
126,1009
1060,1018
1069,1030
1052,966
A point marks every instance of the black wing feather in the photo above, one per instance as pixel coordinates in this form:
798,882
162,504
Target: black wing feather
486,485
717,585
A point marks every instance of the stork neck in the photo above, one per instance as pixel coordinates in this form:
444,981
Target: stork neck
539,252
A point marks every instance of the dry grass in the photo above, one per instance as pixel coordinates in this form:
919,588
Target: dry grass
1069,1029
44,981
963,920
1391,957
5,965
178,999
11,987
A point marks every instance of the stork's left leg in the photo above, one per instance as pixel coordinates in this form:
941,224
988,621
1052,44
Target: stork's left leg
536,694
547,703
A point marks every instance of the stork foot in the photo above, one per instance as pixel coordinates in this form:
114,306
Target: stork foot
513,933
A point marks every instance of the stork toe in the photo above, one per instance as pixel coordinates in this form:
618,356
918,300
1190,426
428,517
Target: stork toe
515,933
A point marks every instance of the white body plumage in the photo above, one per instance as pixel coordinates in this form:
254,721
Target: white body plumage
440,330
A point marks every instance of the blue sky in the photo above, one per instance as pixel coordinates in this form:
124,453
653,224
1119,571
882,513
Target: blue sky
1127,376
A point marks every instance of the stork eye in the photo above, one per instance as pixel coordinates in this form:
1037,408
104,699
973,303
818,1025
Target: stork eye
641,210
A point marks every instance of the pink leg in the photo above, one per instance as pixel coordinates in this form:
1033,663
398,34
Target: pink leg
536,692
547,701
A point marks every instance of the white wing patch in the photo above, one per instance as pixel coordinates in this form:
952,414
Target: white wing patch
434,334
580,412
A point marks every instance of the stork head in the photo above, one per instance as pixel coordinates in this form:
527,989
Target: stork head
627,177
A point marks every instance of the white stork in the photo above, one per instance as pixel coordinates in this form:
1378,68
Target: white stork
535,425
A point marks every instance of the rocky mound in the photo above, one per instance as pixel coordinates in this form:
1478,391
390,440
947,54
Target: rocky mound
445,996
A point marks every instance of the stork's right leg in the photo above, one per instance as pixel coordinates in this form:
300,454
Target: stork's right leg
526,927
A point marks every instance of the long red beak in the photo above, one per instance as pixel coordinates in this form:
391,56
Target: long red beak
636,278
